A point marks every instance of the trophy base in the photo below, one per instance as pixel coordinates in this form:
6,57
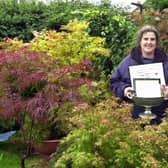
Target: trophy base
148,103
147,115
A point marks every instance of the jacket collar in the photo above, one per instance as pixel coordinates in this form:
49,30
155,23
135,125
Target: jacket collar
159,56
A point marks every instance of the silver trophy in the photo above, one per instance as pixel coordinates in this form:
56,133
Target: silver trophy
148,103
147,93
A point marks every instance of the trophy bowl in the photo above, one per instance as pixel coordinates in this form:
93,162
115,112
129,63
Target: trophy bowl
148,103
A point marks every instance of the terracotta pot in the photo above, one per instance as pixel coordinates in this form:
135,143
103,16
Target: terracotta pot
47,147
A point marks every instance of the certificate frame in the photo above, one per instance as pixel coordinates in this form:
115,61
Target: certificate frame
147,87
146,71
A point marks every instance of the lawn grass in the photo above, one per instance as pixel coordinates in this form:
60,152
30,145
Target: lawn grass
9,160
10,154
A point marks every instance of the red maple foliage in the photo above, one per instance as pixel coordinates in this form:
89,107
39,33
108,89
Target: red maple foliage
32,82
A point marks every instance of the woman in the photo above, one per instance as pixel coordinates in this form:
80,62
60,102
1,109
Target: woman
146,52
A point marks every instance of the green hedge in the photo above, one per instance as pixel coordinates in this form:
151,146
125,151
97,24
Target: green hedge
19,20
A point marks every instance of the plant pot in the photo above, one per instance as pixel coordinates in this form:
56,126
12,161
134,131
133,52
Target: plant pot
47,147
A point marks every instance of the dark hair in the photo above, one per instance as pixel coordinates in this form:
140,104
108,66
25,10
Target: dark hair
147,28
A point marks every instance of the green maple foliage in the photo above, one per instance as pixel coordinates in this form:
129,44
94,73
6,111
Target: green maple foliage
71,44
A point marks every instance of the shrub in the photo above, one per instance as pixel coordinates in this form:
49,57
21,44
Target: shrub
61,12
108,133
33,89
156,5
11,43
118,31
20,19
70,45
155,18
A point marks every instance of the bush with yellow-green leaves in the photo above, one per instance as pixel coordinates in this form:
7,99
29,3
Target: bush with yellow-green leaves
107,137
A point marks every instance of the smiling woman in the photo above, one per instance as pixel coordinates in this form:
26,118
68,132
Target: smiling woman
146,52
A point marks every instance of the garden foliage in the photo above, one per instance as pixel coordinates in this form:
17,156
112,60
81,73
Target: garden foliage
57,82
33,89
20,19
156,18
118,31
107,136
156,5
39,88
70,45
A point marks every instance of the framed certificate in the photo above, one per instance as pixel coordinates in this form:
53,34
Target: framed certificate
147,71
147,87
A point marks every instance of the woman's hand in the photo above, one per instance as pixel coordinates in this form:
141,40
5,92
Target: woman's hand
164,89
129,92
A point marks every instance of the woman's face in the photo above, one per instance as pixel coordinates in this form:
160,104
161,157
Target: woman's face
148,44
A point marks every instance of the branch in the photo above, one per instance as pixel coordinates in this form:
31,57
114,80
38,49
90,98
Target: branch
139,6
